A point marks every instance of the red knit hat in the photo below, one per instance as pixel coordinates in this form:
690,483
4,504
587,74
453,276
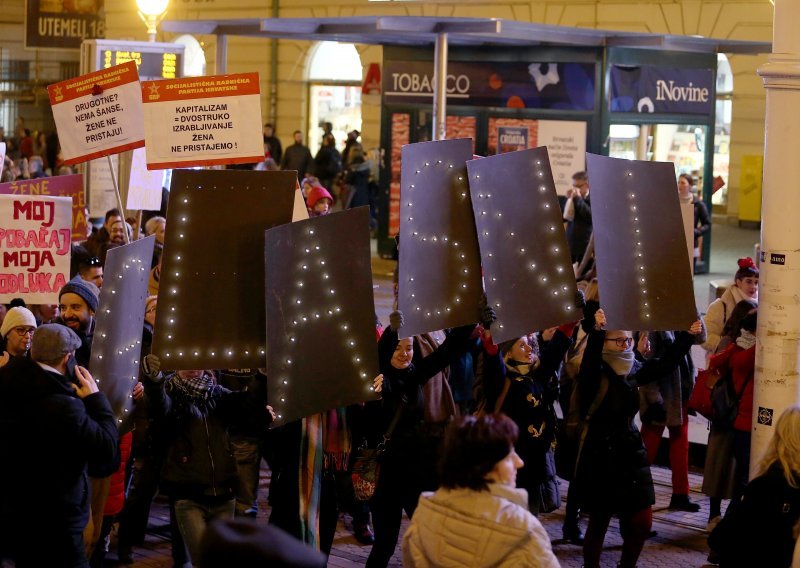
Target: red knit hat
315,194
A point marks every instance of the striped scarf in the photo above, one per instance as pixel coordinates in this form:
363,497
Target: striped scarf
325,446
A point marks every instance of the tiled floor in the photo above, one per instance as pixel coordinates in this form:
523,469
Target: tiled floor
680,541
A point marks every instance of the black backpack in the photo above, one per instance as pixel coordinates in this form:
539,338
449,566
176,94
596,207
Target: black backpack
725,401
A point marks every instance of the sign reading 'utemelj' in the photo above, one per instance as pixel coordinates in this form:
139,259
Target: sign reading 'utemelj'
63,24
652,89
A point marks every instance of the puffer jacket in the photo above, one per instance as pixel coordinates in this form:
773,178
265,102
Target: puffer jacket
116,491
469,529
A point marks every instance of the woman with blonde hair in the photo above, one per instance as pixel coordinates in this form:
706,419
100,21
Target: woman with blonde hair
758,530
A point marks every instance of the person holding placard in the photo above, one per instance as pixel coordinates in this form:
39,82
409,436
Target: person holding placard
199,471
408,466
612,471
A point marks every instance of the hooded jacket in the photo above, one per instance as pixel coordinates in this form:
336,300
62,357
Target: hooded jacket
42,423
463,528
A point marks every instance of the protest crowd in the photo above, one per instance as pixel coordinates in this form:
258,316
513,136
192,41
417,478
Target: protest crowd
472,445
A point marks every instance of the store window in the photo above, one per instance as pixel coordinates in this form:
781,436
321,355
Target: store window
722,128
334,79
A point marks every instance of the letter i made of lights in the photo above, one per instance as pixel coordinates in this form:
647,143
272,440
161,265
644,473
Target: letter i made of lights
110,357
177,250
638,250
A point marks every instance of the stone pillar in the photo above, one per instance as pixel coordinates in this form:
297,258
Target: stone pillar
778,347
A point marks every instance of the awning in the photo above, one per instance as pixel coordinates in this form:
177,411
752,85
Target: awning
420,31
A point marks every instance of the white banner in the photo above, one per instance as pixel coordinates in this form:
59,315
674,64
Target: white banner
144,191
566,145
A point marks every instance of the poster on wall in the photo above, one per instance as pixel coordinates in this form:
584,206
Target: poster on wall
63,24
510,139
36,238
565,141
566,145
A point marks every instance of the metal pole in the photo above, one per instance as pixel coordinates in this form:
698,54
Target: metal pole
221,64
778,345
440,88
115,181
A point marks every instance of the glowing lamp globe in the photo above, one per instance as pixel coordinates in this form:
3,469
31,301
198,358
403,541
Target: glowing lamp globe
152,7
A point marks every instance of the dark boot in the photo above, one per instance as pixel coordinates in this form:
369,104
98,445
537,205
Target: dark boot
683,503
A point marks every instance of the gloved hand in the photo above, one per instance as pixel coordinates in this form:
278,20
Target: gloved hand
151,365
488,315
396,320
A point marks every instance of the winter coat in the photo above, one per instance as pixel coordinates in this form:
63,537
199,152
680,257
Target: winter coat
463,528
399,384
529,403
44,425
358,179
612,465
580,229
327,163
718,313
758,531
199,462
297,157
741,363
662,402
702,221
116,491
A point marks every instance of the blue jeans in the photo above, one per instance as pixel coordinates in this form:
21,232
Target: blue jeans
193,516
247,453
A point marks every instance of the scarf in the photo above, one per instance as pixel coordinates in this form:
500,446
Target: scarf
620,362
522,369
746,339
325,445
196,393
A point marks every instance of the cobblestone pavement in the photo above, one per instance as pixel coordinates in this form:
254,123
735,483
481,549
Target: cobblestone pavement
680,542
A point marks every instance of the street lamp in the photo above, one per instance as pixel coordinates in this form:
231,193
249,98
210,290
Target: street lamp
152,12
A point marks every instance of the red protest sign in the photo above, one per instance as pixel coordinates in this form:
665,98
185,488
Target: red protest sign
58,186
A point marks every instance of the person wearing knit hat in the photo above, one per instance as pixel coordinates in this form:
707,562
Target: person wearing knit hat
319,201
78,302
16,332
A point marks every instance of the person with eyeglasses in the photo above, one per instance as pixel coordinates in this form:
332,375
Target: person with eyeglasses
16,332
612,471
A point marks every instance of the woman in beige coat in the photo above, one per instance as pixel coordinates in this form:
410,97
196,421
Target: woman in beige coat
478,517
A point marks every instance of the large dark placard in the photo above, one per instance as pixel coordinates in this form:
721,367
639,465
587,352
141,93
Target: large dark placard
640,246
211,294
321,350
526,264
439,284
117,342
59,24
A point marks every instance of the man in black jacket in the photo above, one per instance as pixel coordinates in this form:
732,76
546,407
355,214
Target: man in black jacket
51,425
